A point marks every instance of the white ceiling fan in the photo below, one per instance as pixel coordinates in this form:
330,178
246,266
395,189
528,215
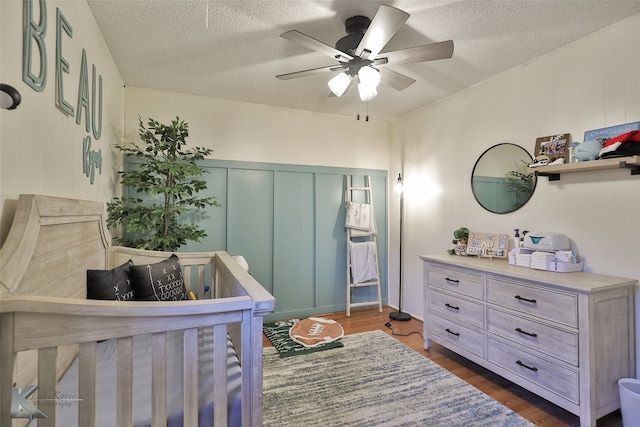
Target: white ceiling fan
358,54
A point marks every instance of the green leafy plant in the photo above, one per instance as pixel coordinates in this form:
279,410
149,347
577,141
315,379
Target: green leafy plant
521,183
167,180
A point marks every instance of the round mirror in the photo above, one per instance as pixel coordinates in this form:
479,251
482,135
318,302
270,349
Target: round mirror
500,182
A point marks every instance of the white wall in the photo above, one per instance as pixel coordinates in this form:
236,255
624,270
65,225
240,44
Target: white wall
259,133
586,85
41,147
589,84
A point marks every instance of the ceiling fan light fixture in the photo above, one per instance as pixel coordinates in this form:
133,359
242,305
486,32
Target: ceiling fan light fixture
367,93
339,84
369,76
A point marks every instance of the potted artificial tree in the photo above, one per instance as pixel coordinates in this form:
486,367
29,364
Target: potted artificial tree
168,182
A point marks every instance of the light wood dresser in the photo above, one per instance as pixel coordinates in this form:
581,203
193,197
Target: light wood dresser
567,337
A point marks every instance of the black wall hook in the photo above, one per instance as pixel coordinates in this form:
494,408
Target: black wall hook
14,97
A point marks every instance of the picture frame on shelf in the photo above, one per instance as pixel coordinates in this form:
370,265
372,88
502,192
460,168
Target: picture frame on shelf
554,147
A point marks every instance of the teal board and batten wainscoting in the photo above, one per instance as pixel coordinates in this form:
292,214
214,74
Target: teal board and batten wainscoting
288,222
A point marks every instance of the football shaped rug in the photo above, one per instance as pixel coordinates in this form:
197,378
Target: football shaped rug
314,331
278,334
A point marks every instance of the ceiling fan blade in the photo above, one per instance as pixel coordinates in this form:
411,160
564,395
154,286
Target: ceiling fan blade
315,45
425,52
394,79
384,25
304,73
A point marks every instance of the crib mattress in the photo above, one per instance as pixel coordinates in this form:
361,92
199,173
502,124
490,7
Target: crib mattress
67,410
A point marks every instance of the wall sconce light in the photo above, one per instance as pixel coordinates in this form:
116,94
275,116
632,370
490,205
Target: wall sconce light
9,97
399,187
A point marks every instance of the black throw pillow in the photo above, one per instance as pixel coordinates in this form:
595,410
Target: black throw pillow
114,284
161,281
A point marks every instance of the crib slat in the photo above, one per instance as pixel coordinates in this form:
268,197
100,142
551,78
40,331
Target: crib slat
87,384
215,281
6,366
47,385
159,380
251,362
220,375
201,268
124,388
190,359
186,275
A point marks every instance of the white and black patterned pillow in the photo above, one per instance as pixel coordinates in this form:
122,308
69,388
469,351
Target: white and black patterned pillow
114,284
161,281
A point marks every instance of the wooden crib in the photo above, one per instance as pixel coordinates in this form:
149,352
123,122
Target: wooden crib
46,320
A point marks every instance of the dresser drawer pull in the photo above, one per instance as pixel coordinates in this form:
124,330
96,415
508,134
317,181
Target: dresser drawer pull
532,301
531,334
452,280
452,306
452,333
533,368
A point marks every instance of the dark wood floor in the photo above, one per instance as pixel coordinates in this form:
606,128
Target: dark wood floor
530,406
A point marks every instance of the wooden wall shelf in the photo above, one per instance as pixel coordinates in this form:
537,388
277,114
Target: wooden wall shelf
553,172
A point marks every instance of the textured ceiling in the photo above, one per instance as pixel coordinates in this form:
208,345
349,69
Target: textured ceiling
233,49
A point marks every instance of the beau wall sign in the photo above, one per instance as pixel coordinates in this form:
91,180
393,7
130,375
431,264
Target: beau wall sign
34,35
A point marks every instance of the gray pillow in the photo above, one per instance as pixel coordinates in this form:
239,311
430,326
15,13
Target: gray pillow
114,284
161,281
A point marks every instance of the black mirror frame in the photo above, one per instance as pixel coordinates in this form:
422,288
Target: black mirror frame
535,179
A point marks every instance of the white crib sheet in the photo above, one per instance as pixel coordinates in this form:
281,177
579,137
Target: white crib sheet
106,383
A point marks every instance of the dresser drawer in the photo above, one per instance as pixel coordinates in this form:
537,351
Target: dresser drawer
455,280
546,339
551,305
559,379
456,307
467,338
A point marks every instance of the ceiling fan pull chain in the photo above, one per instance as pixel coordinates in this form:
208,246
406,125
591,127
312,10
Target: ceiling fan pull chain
367,118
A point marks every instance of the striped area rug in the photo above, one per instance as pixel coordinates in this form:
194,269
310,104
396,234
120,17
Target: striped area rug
374,380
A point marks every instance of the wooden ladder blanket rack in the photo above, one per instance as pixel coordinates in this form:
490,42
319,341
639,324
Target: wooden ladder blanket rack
360,225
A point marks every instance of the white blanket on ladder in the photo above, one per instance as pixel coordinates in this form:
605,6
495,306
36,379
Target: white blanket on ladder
360,218
363,261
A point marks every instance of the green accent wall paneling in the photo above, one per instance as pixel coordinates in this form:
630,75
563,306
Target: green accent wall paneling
288,222
293,241
331,241
250,208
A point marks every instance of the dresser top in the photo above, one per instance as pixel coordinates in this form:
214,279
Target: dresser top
577,281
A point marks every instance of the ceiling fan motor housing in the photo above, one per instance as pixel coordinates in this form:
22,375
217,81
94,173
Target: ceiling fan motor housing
357,24
355,27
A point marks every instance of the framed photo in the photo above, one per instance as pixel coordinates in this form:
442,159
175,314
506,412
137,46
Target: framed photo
554,146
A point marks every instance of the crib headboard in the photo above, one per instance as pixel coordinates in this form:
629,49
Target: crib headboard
51,244
58,240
